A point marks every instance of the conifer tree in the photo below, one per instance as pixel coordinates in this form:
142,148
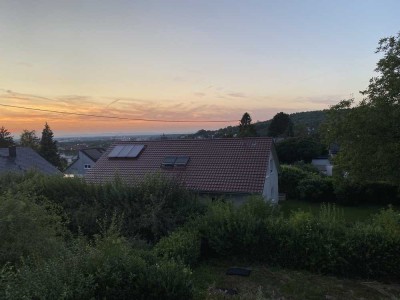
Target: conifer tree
6,139
246,129
48,147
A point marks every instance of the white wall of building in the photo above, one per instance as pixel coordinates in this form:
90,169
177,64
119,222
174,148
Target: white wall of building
271,190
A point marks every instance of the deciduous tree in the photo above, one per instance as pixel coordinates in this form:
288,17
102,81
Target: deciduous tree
369,132
29,139
281,126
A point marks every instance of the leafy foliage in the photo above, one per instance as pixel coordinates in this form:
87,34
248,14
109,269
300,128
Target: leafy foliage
151,209
108,269
182,245
29,139
6,138
316,188
296,149
289,180
369,133
322,243
281,126
29,228
356,193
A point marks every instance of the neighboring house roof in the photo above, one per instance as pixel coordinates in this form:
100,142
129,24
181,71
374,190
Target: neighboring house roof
234,165
25,159
93,153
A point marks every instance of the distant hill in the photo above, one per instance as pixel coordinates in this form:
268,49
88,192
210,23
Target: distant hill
304,122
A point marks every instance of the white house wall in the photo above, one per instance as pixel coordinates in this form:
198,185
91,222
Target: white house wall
271,191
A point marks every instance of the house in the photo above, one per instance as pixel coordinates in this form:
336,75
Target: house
23,159
236,167
323,164
85,161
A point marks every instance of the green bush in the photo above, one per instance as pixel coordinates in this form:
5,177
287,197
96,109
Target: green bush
63,276
151,208
354,193
322,243
108,269
182,245
316,188
30,228
230,230
289,179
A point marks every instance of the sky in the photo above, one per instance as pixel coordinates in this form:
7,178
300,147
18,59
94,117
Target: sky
187,60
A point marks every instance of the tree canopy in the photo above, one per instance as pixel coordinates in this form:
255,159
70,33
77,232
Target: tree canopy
28,138
299,149
6,138
246,128
369,132
281,126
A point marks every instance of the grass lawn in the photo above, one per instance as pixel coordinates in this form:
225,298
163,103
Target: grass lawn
351,213
274,283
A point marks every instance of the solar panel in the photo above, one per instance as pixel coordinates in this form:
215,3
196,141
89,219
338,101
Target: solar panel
117,149
126,151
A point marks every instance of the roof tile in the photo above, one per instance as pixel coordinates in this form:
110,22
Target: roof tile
216,165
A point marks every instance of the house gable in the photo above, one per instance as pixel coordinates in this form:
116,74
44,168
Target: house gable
85,161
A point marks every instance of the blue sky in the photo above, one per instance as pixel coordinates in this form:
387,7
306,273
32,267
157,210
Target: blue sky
183,59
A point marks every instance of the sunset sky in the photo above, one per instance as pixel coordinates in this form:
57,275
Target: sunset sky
182,60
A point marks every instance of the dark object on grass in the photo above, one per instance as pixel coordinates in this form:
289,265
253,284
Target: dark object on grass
238,271
225,291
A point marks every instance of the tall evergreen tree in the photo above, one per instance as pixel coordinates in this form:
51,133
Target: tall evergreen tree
246,129
6,139
48,147
281,126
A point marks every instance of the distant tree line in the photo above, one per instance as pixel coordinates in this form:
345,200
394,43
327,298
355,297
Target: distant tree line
46,146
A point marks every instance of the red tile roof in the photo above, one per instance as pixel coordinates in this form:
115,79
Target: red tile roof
236,165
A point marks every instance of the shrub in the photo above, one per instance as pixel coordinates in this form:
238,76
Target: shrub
62,276
388,220
182,245
109,269
230,230
151,208
289,179
29,228
322,243
316,188
352,193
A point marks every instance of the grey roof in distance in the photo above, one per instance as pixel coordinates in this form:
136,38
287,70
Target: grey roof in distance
25,160
93,153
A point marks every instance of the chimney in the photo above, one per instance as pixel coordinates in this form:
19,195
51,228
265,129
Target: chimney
12,151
